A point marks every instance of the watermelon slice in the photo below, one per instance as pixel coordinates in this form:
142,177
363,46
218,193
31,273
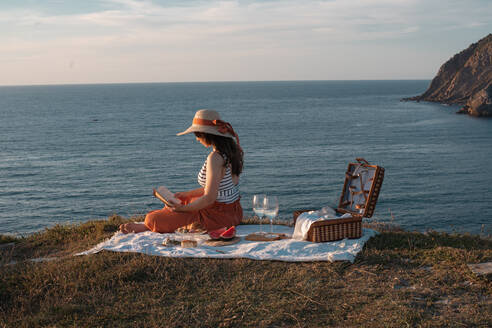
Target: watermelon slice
229,233
215,234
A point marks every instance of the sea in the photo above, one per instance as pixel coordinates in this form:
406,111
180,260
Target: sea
73,153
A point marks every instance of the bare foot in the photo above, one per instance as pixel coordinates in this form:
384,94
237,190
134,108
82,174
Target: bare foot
123,228
133,227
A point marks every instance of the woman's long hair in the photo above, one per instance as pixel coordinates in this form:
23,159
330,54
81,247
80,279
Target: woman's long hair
228,147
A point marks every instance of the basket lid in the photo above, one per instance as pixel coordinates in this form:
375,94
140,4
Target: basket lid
361,188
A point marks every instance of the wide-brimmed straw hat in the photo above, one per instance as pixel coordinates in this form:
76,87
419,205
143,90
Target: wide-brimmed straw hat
208,121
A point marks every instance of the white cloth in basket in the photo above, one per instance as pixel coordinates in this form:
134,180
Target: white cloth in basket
304,221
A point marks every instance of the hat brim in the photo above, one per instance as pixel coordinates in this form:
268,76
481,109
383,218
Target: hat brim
204,129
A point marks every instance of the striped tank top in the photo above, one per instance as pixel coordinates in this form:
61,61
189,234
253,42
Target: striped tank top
228,191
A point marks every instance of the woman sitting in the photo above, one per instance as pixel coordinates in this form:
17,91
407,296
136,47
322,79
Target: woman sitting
216,203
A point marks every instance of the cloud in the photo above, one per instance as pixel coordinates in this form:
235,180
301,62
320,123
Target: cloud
205,34
347,20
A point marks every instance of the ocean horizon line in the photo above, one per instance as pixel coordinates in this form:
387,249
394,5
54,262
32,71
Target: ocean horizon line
202,82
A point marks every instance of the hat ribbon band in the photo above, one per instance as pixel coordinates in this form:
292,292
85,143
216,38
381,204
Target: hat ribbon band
222,127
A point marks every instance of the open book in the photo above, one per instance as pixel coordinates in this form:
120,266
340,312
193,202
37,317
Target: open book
165,196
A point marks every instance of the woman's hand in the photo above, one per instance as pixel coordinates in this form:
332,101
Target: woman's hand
177,207
181,195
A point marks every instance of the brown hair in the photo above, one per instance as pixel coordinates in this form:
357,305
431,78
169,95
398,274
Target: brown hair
226,146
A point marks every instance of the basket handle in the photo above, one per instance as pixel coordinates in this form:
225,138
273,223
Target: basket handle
362,161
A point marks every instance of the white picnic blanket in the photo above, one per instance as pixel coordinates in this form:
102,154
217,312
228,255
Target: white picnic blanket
288,250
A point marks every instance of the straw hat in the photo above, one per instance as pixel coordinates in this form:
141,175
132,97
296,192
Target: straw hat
208,121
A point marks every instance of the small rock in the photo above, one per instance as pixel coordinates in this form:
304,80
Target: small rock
463,110
44,259
400,283
481,268
7,245
443,300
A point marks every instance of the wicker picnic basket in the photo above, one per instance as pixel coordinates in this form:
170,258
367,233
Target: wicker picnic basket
359,196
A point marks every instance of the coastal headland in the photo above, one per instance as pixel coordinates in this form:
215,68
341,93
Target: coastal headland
400,279
465,79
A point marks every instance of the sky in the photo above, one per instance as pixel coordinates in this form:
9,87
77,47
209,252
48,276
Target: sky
128,41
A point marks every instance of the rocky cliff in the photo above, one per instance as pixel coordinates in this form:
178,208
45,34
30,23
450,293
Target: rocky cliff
465,79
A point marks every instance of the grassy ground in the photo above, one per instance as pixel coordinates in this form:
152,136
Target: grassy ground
401,279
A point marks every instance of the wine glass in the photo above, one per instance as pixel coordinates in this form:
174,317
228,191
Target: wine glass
271,210
258,207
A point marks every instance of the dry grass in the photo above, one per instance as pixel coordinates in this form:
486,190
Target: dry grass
401,279
61,240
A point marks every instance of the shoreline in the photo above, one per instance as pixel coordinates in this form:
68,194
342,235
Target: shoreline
375,223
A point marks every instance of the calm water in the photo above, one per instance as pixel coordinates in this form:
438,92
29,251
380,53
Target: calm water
74,153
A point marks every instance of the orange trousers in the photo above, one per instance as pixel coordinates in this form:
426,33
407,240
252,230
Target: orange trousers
215,216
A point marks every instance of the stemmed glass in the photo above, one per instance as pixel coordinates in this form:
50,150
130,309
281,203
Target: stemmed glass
259,206
271,210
